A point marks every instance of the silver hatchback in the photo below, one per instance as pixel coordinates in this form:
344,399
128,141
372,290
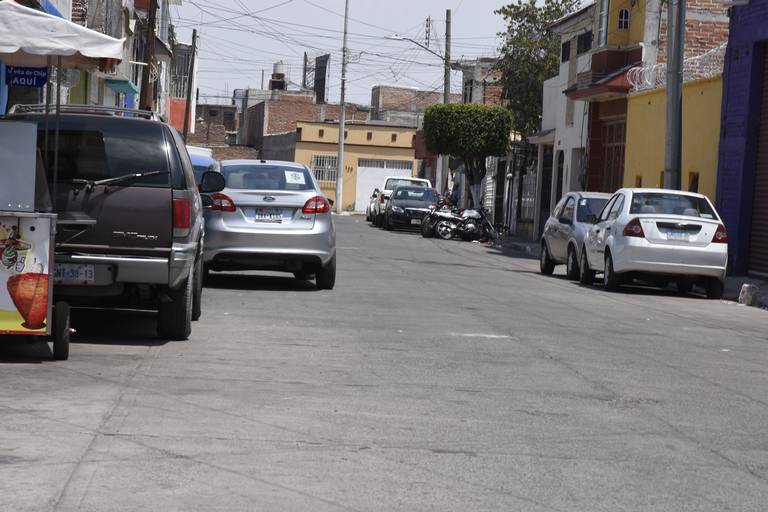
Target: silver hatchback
565,230
270,216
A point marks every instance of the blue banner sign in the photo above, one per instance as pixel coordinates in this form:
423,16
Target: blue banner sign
26,77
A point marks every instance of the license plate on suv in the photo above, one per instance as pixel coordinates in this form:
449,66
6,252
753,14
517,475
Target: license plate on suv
74,273
268,215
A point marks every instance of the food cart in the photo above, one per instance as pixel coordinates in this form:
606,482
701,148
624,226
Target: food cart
34,40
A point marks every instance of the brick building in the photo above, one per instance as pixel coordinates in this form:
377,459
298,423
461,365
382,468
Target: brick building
742,180
404,105
280,114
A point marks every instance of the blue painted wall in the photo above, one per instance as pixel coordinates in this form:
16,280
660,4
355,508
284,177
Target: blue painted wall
742,98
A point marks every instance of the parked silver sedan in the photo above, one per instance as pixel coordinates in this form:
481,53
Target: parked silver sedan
565,229
271,216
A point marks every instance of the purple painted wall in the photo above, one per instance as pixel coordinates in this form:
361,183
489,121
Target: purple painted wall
742,98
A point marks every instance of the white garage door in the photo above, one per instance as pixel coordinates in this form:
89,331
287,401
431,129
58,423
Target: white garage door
371,174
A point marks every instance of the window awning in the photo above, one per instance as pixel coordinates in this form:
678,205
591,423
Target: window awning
122,86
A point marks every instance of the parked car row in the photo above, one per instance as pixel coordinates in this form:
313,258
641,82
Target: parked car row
653,236
142,220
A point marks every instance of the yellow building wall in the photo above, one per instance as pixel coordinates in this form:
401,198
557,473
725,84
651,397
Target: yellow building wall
646,123
356,146
636,32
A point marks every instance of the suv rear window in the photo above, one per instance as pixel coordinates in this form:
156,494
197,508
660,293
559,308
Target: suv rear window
267,177
672,204
393,183
95,149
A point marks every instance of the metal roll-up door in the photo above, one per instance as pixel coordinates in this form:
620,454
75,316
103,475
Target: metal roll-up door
758,246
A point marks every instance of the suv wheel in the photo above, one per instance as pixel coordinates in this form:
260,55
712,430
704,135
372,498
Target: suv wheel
174,318
197,299
326,278
572,265
546,265
586,274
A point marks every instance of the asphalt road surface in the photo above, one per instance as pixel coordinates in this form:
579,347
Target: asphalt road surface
437,376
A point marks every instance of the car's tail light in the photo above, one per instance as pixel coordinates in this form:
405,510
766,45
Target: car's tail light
182,217
317,204
633,228
721,235
222,203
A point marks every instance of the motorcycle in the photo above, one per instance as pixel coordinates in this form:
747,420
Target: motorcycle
437,212
467,224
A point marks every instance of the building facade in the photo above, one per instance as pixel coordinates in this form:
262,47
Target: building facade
371,152
629,36
742,180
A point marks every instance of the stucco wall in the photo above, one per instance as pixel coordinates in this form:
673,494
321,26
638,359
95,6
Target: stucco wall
357,145
646,123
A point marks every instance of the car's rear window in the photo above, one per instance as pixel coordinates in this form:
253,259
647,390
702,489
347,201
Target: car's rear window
266,177
416,194
671,204
393,183
589,209
108,150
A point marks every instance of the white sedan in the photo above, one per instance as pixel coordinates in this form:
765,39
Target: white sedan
657,235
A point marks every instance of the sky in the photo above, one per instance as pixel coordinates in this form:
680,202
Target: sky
237,39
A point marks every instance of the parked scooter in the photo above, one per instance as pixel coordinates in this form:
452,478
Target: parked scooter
467,224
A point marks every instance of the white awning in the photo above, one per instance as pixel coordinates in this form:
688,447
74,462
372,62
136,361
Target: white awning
28,37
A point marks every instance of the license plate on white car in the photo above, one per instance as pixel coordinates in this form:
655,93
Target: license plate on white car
74,273
268,215
416,222
678,236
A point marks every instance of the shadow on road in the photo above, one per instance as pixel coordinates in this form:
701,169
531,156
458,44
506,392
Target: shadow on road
23,350
104,327
256,282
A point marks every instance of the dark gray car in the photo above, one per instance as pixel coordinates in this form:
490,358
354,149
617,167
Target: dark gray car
130,231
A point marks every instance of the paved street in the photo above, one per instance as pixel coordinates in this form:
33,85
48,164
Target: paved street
436,376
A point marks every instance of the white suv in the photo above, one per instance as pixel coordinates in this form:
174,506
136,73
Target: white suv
379,204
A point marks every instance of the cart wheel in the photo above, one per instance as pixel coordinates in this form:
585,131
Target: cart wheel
61,331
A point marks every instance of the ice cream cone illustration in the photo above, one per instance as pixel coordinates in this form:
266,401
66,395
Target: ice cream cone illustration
29,293
10,248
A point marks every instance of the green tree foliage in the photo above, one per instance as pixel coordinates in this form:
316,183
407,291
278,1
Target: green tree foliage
530,55
469,131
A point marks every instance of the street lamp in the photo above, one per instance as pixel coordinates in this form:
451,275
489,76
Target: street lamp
443,170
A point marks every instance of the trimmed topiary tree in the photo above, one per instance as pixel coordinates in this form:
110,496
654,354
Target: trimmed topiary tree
469,131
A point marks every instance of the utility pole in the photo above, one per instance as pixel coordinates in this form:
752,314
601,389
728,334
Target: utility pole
342,115
442,173
190,73
674,129
146,100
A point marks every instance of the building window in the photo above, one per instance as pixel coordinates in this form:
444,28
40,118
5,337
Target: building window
638,182
468,91
345,134
394,137
624,19
602,27
321,133
298,134
565,52
369,136
324,167
584,43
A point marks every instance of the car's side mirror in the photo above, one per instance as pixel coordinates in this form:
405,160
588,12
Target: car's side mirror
565,220
211,182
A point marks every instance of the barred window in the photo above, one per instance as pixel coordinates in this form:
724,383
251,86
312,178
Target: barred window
406,165
324,167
